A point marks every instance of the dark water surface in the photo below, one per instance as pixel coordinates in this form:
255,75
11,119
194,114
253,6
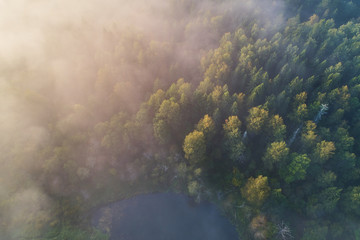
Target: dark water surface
163,216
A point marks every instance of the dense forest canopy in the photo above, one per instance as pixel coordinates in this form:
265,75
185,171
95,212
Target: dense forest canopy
252,105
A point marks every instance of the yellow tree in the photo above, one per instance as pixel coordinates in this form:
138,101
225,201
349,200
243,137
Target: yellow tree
277,152
324,150
257,119
194,147
256,190
207,126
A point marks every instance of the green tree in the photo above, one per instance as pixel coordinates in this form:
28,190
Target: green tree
277,128
219,61
156,99
345,166
256,94
114,133
296,170
234,110
237,177
166,120
326,179
351,200
329,198
343,142
314,231
323,203
232,138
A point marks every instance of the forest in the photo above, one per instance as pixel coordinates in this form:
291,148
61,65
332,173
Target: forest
253,105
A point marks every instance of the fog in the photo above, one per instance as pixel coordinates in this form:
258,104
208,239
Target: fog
163,216
54,57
